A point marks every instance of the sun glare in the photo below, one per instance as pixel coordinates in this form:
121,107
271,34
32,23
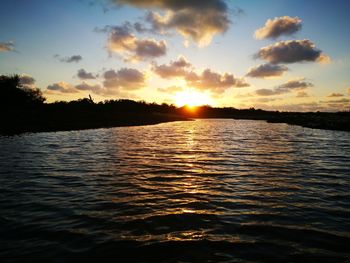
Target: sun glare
192,98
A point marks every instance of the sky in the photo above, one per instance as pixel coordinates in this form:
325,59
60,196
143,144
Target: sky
290,55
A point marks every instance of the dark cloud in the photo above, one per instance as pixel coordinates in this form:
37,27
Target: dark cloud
333,95
140,28
292,51
177,68
26,80
295,84
265,92
83,74
267,70
125,78
285,88
74,58
338,104
89,87
7,46
61,87
176,5
122,41
186,17
127,27
279,26
150,48
170,90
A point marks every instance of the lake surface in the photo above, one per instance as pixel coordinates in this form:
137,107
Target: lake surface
199,191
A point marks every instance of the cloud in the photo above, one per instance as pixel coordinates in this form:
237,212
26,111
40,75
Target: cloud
122,41
338,104
279,26
287,87
176,5
302,94
26,80
313,106
292,51
295,84
206,80
193,19
213,81
191,24
140,28
125,78
116,83
150,48
264,100
177,68
171,90
333,95
265,92
7,46
267,70
344,100
74,58
89,87
82,74
298,107
62,87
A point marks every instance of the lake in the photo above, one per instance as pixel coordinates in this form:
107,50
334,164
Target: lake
194,191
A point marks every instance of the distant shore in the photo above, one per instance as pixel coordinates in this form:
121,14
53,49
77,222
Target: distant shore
317,120
54,125
339,121
85,114
23,109
23,122
335,121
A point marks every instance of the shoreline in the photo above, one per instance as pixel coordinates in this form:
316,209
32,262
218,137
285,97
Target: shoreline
85,114
301,124
163,119
323,121
76,126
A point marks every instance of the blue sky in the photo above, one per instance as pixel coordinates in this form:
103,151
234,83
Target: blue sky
45,33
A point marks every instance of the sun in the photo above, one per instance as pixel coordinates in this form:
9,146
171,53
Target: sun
191,98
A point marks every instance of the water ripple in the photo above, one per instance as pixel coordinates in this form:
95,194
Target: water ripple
201,191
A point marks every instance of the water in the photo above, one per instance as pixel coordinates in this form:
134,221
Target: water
201,191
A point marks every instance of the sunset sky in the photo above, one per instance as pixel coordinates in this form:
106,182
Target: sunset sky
278,54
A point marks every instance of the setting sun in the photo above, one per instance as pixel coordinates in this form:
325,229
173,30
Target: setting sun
168,131
192,98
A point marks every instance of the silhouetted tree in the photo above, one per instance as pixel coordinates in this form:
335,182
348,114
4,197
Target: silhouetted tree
22,109
14,95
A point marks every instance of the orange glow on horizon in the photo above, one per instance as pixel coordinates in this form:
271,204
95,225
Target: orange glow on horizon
191,99
190,109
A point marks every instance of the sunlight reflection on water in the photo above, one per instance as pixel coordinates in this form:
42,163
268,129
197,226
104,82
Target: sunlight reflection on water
232,187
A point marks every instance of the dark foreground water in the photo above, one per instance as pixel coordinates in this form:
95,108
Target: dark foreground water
201,191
